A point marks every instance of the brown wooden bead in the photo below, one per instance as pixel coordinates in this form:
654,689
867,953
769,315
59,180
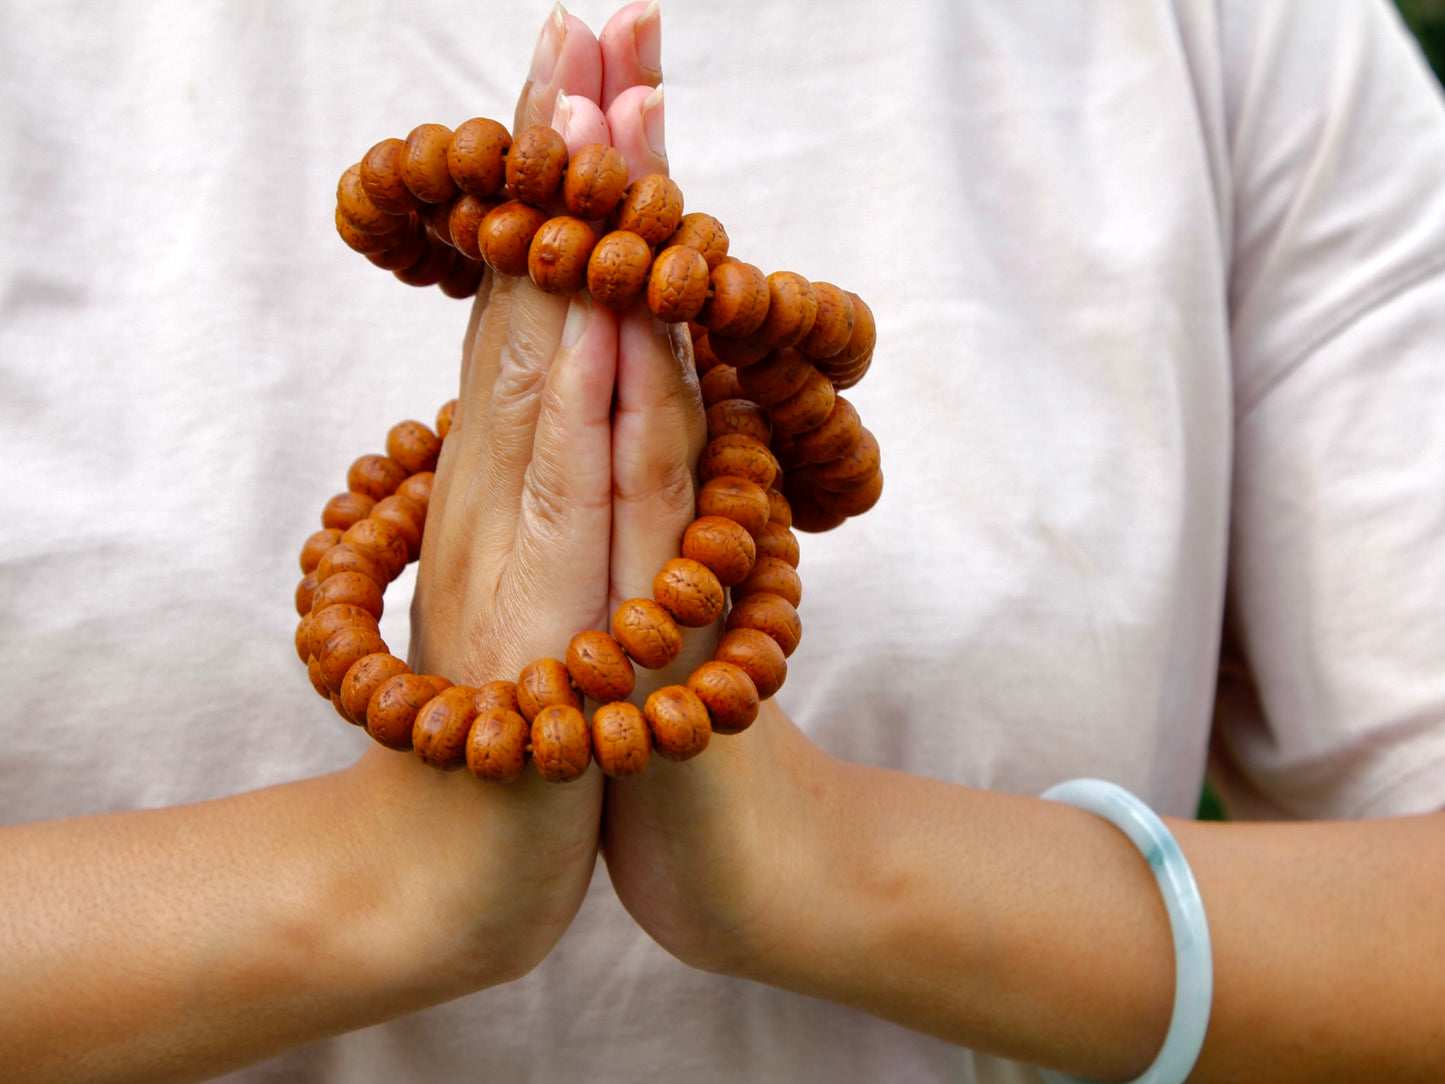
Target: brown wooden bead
679,722
505,236
703,234
557,258
496,748
677,284
439,734
852,469
757,655
775,576
417,488
739,353
315,547
375,476
561,743
325,622
303,637
738,304
476,156
620,738
363,679
344,509
832,327
464,277
728,693
778,376
690,591
463,222
838,434
347,558
439,683
740,500
778,541
446,415
349,587
313,674
596,178
808,514
739,416
865,331
382,181
437,217
646,632
719,384
703,359
414,446
368,243
433,265
497,694
771,614
779,510
391,711
535,165
651,208
617,269
739,455
357,208
542,684
407,517
805,409
342,648
721,544
792,308
380,540
853,501
305,592
599,666
424,163
411,246
845,378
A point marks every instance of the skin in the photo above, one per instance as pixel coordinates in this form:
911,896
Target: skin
1013,925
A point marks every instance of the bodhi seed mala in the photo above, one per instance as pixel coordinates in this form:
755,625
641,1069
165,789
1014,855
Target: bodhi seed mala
785,451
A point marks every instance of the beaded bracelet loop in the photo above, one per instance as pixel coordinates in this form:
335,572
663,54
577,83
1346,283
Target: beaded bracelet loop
1193,958
784,451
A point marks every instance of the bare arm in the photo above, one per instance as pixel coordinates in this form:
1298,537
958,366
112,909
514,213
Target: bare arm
1033,930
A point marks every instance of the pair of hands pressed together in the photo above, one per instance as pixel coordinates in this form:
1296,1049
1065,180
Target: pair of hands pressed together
565,484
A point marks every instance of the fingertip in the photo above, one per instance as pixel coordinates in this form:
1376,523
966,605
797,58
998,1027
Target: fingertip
631,45
580,122
568,59
636,121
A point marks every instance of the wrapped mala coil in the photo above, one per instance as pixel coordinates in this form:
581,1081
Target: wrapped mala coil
785,451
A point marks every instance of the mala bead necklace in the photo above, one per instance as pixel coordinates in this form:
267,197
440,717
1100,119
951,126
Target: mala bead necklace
785,452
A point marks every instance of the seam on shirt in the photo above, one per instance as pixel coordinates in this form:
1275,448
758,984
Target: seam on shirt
1401,283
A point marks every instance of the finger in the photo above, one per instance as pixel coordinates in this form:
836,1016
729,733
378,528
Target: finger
635,119
658,433
631,45
567,58
580,121
556,582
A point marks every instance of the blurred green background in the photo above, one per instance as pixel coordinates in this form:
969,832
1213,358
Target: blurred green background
1427,19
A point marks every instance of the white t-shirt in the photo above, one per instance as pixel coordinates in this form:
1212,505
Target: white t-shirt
1160,290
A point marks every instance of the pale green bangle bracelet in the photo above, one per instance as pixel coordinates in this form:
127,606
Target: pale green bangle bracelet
1193,960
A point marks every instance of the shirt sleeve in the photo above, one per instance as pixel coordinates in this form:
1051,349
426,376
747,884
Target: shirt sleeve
1331,698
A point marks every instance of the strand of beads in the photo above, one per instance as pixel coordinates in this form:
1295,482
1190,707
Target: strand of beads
784,450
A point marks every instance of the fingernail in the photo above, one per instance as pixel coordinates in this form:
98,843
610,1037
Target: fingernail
652,123
562,114
549,45
647,41
578,311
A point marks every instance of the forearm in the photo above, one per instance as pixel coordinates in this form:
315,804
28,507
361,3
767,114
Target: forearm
1033,930
174,944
